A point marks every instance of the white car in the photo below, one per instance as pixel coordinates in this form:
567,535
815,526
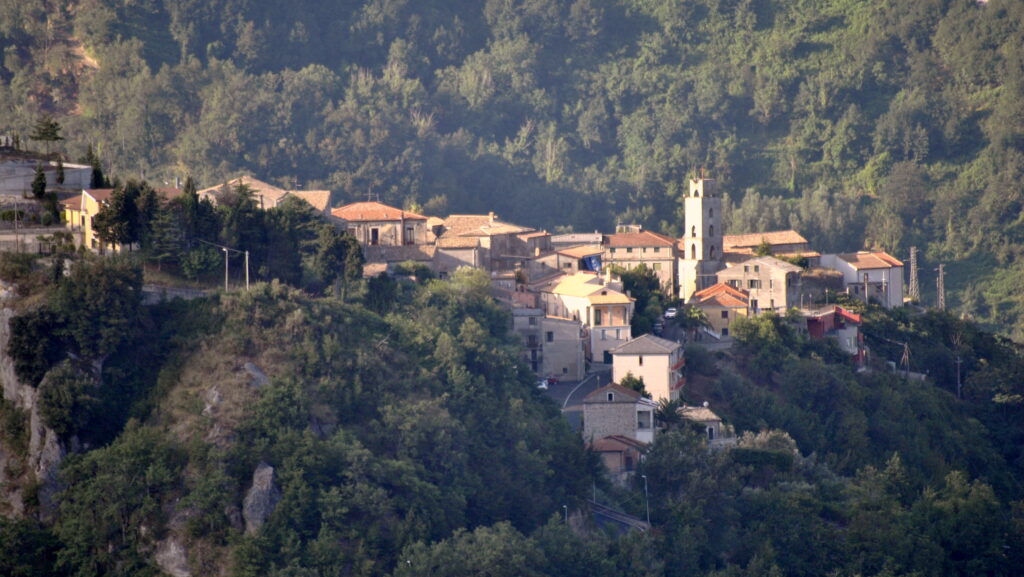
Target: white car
671,313
542,384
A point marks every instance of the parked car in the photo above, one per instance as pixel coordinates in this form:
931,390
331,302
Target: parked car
659,327
542,384
671,312
552,379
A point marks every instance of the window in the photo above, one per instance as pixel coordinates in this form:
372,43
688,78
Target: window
771,303
644,249
693,252
533,321
613,250
531,341
549,336
693,231
753,305
712,251
629,249
711,212
657,266
746,268
711,230
725,332
611,397
410,235
604,335
771,283
757,268
753,283
617,334
657,249
725,314
374,236
641,360
597,317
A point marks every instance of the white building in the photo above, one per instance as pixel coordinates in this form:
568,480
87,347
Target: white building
657,361
869,276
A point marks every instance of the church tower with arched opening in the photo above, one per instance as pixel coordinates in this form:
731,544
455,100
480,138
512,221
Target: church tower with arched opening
701,245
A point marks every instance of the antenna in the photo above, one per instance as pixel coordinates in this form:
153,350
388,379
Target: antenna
915,285
940,285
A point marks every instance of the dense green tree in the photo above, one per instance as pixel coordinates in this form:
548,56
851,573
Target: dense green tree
46,130
39,183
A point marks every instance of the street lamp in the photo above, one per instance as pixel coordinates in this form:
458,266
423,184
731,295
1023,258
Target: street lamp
565,508
647,500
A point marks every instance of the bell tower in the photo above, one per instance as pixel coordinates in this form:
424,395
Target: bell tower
701,244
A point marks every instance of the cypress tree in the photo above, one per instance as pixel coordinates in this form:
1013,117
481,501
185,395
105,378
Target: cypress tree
39,183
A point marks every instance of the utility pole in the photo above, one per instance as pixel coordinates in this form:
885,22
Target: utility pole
225,269
867,298
940,285
915,286
246,271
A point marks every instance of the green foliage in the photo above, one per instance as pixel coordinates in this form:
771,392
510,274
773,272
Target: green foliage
27,549
39,183
112,494
67,401
637,384
98,305
35,344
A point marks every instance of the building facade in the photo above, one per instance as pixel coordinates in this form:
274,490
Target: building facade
700,247
657,361
772,284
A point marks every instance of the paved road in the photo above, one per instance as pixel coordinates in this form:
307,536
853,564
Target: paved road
569,394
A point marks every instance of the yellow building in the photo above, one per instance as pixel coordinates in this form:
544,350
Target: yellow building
80,215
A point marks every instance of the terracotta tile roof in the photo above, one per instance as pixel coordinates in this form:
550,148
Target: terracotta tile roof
458,242
480,225
722,295
616,444
100,194
582,251
753,240
865,260
270,193
646,345
73,203
318,199
373,211
622,395
635,239
610,298
699,414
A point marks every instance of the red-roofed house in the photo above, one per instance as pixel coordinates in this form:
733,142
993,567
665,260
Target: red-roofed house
869,275
839,323
632,247
377,224
722,304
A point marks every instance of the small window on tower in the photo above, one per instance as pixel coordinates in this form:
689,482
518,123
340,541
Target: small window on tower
693,231
711,230
693,252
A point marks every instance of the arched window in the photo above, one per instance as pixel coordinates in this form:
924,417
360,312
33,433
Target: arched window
711,230
693,231
693,252
712,251
711,212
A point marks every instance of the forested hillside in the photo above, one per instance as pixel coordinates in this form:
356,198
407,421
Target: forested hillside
395,432
860,123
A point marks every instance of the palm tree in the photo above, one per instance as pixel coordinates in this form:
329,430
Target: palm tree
692,319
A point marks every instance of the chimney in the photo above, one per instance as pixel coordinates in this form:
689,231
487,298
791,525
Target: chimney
607,275
490,217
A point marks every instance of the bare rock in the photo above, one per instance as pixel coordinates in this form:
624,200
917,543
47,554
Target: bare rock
259,378
212,400
172,557
261,499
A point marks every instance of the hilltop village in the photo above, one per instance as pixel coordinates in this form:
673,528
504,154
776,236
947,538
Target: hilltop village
569,305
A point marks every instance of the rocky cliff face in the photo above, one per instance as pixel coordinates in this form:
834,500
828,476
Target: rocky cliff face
24,472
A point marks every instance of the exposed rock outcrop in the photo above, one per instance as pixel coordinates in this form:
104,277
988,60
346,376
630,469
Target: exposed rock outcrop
172,557
45,451
261,499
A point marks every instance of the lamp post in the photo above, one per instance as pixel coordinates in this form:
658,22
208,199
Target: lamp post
647,500
225,269
565,509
